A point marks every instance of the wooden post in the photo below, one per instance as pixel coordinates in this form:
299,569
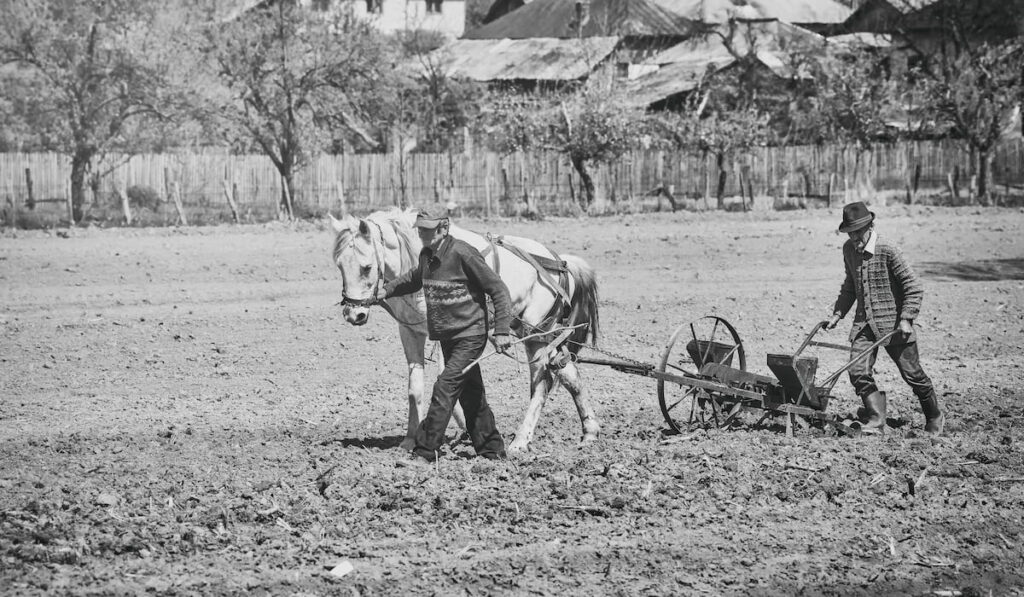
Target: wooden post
13,220
125,205
177,204
828,191
506,191
287,199
487,197
707,180
30,203
71,205
341,196
231,201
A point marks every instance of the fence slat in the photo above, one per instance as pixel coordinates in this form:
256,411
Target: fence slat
375,181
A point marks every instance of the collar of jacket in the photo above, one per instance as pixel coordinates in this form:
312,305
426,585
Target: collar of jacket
442,249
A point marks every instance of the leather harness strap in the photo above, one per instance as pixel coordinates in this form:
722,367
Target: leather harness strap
542,264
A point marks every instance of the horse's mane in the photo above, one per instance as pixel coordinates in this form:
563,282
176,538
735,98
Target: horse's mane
401,221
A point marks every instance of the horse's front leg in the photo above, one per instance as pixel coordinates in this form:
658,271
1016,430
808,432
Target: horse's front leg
540,385
413,342
569,376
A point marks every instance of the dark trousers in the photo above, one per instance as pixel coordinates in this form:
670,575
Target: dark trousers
468,389
904,355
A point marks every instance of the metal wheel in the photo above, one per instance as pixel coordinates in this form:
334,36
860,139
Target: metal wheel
709,339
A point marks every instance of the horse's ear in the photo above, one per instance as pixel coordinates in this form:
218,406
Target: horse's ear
364,228
336,224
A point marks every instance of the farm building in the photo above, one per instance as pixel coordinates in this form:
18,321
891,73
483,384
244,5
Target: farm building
772,45
927,24
558,41
531,61
811,14
443,17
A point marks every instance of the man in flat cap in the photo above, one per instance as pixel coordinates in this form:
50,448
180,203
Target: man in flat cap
456,283
888,297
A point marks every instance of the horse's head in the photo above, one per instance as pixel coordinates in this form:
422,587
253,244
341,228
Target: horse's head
360,262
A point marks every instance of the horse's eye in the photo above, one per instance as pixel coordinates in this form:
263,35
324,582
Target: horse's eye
366,270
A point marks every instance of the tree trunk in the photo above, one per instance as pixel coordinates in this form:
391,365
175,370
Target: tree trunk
722,175
287,194
80,163
984,171
587,196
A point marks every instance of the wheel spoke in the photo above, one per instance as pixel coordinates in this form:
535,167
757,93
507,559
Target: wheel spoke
729,354
677,402
711,343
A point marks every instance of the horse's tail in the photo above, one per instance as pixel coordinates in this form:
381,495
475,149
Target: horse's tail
583,303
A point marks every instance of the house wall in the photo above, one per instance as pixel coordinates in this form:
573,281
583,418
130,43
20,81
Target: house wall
406,15
447,17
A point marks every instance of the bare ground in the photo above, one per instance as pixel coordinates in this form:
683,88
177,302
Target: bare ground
186,412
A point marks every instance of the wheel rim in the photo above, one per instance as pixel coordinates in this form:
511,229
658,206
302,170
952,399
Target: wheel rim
709,339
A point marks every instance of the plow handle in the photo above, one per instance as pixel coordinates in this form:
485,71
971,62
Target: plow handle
818,326
831,379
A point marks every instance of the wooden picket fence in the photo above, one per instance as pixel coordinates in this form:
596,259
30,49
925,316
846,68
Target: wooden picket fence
488,183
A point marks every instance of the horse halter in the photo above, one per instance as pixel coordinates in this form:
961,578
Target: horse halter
372,300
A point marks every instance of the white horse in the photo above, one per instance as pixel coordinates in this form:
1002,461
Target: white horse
553,319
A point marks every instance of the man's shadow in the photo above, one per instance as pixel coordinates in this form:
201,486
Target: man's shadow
370,443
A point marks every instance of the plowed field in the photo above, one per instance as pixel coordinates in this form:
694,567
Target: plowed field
186,412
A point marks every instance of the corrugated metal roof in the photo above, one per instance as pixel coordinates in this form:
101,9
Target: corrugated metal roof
909,6
665,82
861,40
539,59
685,64
770,36
790,11
557,19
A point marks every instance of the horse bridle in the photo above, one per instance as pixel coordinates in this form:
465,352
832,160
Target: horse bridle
372,300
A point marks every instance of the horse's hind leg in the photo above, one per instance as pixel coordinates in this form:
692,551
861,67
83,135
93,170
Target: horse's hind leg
540,384
569,376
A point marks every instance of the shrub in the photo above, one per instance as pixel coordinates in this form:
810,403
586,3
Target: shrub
144,197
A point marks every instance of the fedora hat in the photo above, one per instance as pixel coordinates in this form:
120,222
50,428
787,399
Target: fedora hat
425,219
855,217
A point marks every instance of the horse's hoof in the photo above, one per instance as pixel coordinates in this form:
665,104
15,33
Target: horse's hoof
515,448
407,444
588,437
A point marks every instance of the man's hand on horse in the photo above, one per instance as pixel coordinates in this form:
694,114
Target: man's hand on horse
502,342
379,294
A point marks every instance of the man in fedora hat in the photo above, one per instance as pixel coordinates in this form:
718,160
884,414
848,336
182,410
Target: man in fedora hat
456,281
888,297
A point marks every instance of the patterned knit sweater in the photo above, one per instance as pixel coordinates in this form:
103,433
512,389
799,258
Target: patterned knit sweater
884,288
456,283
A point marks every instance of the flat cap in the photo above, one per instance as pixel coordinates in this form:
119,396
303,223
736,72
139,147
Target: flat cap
428,220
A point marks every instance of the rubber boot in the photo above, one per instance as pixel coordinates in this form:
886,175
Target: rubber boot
934,419
873,413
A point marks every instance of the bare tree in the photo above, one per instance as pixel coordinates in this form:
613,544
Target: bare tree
293,76
968,56
858,101
83,75
589,126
